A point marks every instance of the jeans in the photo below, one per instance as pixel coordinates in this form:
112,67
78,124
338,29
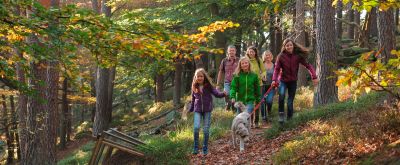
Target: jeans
227,88
291,88
206,117
267,105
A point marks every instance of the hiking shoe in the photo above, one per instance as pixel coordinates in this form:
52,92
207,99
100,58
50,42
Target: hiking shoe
195,152
257,126
205,152
281,117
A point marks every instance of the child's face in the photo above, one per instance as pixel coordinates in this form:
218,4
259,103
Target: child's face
251,53
200,78
289,47
245,65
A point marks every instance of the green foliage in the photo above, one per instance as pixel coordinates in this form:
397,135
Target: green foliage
369,4
370,72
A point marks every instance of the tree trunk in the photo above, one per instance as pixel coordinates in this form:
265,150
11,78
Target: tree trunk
36,147
350,18
14,122
96,6
177,82
220,38
6,126
159,88
372,25
22,113
386,29
396,17
278,34
110,92
102,115
93,92
272,40
101,120
326,91
339,15
69,124
357,21
238,41
52,94
300,38
64,107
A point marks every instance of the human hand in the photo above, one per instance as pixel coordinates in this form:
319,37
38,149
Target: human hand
225,93
274,84
315,82
233,101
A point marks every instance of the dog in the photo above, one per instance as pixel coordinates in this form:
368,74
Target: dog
241,126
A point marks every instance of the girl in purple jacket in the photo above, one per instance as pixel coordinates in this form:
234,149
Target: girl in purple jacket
202,105
291,55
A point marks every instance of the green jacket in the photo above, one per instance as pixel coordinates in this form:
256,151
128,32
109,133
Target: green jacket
245,87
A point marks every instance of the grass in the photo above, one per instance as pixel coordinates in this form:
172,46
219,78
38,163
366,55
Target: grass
175,147
347,137
80,156
327,111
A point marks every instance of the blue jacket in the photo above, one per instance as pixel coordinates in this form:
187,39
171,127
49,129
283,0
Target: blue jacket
203,101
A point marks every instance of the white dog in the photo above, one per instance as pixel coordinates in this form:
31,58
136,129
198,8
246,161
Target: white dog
241,126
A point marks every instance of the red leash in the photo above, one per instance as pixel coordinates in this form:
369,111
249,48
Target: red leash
263,99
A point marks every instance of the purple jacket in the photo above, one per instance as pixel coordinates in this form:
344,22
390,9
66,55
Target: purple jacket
289,63
203,101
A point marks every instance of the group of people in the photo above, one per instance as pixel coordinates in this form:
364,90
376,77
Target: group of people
247,80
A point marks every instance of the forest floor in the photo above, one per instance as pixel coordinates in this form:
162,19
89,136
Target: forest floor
257,151
72,146
343,139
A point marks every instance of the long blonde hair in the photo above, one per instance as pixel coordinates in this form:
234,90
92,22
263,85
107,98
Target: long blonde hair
207,80
264,55
239,66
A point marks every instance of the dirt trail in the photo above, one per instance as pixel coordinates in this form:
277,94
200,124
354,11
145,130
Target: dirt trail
257,151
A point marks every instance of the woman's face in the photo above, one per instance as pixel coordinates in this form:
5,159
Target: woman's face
289,47
200,78
268,57
251,53
245,65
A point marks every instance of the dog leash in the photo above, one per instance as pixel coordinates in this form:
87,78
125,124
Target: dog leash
262,101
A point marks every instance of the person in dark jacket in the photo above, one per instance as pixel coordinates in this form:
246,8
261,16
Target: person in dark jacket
291,55
202,105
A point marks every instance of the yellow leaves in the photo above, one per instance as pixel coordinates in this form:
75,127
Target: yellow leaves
8,92
197,57
334,3
367,89
384,7
395,52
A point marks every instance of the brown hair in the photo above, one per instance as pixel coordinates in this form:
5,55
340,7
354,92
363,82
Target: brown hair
297,48
256,55
207,80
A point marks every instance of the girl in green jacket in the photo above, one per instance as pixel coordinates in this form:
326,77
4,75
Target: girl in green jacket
245,86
